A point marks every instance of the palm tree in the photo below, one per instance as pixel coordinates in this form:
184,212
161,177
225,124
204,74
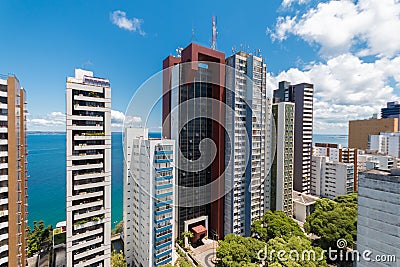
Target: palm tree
187,235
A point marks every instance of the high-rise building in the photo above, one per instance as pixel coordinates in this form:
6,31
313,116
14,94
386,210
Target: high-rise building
337,154
378,216
302,95
88,170
247,116
281,192
13,173
331,178
392,110
189,116
360,130
149,194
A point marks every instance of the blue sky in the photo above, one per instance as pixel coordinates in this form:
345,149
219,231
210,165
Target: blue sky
44,42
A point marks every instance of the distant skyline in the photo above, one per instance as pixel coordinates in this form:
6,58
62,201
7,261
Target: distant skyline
350,50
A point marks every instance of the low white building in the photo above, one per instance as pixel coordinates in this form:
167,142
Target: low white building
303,205
331,179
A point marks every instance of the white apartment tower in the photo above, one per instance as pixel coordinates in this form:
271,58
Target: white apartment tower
281,191
149,213
88,170
248,114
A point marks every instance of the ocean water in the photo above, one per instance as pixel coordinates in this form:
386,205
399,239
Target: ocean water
46,169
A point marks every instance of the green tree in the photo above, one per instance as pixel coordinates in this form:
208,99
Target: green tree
347,199
276,224
119,228
40,237
235,251
187,234
118,259
333,220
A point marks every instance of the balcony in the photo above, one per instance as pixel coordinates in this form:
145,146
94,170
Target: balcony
91,137
89,224
3,236
91,108
90,185
3,142
87,205
164,152
86,118
4,189
87,243
3,248
3,117
91,99
3,178
3,225
91,147
84,195
163,160
3,201
87,166
84,87
89,175
87,234
3,129
91,261
75,127
4,260
89,214
89,252
84,156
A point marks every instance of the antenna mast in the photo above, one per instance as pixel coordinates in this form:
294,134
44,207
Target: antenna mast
214,34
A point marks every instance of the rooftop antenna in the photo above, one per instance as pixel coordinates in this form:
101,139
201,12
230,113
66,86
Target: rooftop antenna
214,34
179,51
192,33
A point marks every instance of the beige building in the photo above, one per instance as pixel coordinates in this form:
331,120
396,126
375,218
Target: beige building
13,174
360,130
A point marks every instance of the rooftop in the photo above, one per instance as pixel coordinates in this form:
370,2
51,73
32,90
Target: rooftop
304,198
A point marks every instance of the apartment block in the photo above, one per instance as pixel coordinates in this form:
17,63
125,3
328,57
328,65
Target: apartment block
336,153
378,216
193,110
283,161
13,173
377,162
360,130
302,95
248,124
88,149
386,143
331,179
149,199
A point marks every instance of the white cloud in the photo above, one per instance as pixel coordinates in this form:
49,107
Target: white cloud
345,88
368,27
288,3
119,18
54,121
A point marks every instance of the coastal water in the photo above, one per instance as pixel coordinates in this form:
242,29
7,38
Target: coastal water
46,169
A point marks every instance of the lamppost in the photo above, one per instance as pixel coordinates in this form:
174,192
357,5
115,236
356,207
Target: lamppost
215,238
